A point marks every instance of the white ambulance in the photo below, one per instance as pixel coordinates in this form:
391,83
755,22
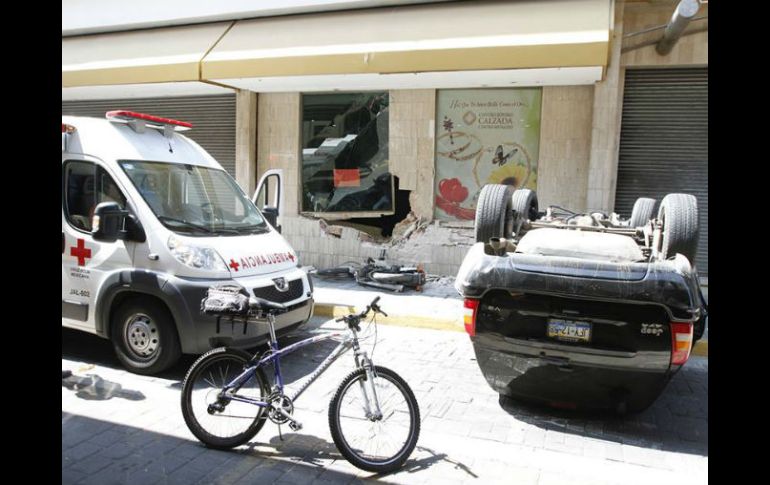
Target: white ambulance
149,222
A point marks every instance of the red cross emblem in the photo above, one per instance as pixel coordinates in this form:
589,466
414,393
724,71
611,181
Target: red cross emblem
233,264
81,252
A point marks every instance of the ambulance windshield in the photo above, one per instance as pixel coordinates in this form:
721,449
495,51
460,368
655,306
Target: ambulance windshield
194,200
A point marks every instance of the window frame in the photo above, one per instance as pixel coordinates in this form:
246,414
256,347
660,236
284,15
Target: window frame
64,180
332,216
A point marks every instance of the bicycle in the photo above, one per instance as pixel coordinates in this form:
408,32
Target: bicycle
375,429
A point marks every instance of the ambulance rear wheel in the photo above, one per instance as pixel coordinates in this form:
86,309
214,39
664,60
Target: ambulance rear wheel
144,336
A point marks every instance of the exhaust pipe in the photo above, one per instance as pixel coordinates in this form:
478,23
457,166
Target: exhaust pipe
683,14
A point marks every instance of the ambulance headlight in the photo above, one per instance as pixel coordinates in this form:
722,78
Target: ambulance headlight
199,257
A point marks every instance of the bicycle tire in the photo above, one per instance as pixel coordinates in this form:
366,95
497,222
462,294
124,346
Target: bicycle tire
397,460
192,422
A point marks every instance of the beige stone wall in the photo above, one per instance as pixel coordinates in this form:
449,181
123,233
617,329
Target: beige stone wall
278,143
565,145
246,140
605,129
689,50
412,144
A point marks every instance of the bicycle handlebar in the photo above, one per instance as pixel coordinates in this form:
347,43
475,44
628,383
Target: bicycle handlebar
369,307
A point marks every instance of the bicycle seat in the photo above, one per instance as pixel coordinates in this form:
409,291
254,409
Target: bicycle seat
256,303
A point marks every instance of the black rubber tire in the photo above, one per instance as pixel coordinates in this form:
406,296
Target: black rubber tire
643,211
524,205
679,216
397,460
494,217
168,351
189,418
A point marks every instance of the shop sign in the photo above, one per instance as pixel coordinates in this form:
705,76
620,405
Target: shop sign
484,136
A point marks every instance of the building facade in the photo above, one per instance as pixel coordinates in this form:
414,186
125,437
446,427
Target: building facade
386,121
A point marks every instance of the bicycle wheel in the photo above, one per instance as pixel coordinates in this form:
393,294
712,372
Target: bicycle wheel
238,422
377,445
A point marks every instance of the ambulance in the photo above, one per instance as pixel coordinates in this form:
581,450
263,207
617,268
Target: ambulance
150,221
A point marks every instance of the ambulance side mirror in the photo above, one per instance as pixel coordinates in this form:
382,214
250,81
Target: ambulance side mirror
107,223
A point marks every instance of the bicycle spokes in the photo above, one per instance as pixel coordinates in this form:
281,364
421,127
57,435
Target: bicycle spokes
213,407
371,434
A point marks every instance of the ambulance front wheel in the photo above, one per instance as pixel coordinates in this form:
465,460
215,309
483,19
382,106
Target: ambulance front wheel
144,336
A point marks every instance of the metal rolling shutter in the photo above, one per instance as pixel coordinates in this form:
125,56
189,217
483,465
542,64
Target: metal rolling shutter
213,118
664,142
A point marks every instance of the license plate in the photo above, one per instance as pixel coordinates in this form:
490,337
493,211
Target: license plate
569,331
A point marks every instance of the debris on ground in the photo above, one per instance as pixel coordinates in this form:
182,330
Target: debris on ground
378,274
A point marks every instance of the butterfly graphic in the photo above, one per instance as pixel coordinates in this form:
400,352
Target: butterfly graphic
500,158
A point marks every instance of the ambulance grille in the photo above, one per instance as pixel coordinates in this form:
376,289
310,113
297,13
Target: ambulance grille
271,293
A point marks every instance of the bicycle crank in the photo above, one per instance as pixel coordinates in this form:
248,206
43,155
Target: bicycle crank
280,411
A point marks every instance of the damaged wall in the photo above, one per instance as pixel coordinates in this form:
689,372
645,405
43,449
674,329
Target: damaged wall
441,247
416,239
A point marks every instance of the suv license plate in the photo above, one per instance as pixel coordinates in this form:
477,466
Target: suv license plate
569,331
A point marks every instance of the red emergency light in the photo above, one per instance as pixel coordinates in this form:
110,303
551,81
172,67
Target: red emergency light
65,128
124,115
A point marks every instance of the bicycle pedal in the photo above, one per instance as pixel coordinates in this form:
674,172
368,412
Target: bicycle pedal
295,426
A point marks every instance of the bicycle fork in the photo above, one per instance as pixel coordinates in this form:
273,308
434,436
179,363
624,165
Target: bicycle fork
371,406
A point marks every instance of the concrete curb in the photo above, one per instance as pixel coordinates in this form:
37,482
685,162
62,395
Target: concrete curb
701,348
331,310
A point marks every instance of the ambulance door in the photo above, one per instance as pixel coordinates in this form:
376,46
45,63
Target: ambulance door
269,196
86,262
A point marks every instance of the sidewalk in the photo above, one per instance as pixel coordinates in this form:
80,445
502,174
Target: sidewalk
121,428
437,307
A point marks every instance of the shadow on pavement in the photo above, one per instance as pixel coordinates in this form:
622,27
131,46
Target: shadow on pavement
414,465
127,455
677,421
90,349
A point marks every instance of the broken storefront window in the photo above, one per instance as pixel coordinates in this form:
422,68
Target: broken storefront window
345,154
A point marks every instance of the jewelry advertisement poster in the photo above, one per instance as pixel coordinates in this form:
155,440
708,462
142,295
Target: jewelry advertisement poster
484,136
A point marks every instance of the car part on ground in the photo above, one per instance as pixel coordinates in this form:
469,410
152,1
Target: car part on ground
378,274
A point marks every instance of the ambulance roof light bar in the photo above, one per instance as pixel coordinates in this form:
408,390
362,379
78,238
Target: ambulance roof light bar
138,121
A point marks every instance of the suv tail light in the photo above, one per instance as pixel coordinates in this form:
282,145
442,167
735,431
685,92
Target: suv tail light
681,342
469,315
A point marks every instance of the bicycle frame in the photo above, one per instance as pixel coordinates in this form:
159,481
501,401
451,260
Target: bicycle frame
275,354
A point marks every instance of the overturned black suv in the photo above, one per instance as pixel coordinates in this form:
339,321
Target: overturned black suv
582,310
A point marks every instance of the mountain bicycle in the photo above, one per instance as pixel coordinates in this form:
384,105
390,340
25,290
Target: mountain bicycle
373,415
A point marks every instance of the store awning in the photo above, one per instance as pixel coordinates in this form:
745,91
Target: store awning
457,36
138,57
559,41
